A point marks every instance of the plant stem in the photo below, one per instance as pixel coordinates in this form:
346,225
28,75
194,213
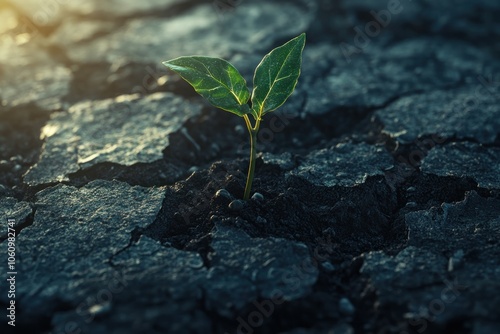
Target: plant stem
253,155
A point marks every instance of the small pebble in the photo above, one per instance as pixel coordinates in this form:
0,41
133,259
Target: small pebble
456,260
17,168
296,142
236,205
223,193
411,205
239,129
195,263
258,197
261,220
192,169
3,163
327,266
346,307
100,309
411,189
215,147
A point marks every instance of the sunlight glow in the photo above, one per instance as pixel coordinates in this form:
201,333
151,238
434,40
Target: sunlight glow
8,20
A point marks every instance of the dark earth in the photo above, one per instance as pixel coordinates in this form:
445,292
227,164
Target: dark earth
378,182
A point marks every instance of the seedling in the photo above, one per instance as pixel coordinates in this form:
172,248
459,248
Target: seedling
223,86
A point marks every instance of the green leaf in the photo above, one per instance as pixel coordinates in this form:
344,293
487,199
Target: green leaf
216,80
276,76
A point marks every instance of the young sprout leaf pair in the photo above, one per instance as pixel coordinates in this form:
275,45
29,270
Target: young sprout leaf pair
223,86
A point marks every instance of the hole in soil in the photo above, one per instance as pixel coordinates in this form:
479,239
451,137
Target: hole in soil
20,145
426,190
205,138
344,221
341,120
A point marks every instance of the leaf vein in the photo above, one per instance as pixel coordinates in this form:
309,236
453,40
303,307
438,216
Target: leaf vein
215,79
272,86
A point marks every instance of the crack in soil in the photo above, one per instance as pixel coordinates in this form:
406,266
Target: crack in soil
154,174
135,235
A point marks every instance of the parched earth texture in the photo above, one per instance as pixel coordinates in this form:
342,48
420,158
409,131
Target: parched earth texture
379,205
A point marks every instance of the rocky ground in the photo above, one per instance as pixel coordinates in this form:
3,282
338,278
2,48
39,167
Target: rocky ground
380,184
